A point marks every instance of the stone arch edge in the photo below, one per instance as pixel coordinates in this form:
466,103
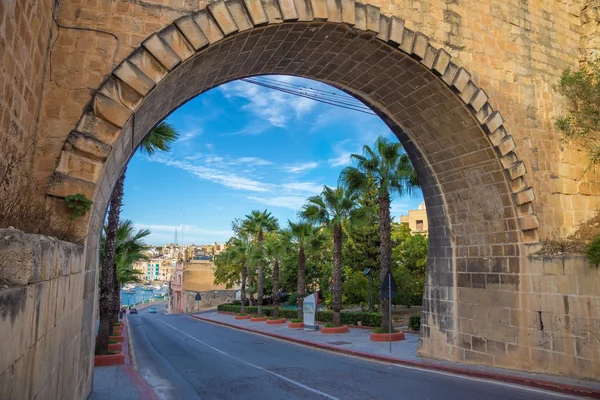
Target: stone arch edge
80,165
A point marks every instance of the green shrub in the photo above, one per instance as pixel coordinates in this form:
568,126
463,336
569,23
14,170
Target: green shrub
330,325
593,251
414,322
347,317
292,299
296,320
112,342
382,330
78,203
236,303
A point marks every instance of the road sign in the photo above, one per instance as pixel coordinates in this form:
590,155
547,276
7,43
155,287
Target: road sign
388,285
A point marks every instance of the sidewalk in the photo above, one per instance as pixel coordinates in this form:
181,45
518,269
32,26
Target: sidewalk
357,343
120,382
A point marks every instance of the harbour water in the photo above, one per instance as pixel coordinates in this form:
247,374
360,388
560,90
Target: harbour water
141,296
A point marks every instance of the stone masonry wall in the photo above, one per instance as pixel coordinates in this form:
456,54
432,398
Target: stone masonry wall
210,299
46,319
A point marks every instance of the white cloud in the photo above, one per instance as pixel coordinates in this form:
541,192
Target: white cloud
343,158
291,202
306,187
210,146
301,167
189,134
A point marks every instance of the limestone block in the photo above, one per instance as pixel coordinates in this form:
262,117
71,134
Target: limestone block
484,113
461,79
319,9
177,42
396,31
429,58
508,160
20,257
192,32
420,45
89,145
147,64
384,28
478,100
525,196
273,12
163,53
79,167
348,11
334,10
408,40
304,10
257,12
120,93
209,26
77,260
373,18
42,366
48,258
527,222
288,10
41,296
468,92
133,77
63,260
239,14
442,62
506,145
449,73
360,14
494,122
111,111
221,14
518,183
15,323
98,128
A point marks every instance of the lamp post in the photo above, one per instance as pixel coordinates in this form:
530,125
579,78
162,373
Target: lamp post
370,275
198,298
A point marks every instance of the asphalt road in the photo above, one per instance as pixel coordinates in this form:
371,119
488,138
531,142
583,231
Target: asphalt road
185,359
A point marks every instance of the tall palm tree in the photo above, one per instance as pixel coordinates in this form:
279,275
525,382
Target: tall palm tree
257,223
331,209
239,254
393,173
129,248
274,251
159,139
303,236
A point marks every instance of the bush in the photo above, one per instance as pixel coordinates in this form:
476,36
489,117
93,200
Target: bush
382,330
347,317
293,299
236,303
414,322
593,251
296,320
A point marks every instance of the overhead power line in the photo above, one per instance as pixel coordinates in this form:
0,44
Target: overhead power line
311,93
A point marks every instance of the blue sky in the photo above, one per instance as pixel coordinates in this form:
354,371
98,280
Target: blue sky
246,147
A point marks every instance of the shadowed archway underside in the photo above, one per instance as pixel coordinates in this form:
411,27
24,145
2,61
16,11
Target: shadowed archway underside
478,203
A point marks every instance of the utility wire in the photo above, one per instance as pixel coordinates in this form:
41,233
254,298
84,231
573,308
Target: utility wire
363,109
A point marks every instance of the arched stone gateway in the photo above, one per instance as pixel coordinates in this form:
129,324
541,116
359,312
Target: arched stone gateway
479,205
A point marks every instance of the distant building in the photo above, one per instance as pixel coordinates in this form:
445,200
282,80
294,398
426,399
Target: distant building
416,220
155,269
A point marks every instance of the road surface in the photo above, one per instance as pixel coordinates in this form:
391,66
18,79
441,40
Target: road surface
184,358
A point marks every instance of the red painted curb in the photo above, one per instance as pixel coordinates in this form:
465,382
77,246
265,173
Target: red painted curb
385,337
519,380
334,330
117,338
296,325
276,321
243,316
110,359
258,319
145,392
115,347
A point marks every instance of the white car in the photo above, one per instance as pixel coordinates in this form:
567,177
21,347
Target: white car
153,310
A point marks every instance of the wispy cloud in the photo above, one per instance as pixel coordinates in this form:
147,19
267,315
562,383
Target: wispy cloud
291,202
300,167
306,187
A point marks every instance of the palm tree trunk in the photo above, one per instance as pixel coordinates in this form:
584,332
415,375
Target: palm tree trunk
259,288
301,284
385,249
106,297
116,303
276,289
243,288
337,274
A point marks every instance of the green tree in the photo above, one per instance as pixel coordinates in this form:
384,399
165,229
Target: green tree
159,139
581,122
231,266
331,209
390,168
409,260
257,223
303,236
274,251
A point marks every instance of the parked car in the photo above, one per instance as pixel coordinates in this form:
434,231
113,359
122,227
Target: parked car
153,310
133,311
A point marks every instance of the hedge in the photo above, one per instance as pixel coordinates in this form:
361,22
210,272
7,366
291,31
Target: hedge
414,322
347,317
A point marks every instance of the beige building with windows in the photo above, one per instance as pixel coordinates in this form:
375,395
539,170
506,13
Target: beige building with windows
416,220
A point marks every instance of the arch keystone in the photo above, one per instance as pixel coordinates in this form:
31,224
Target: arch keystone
360,16
372,15
384,28
161,51
177,42
319,8
478,100
304,10
192,32
461,79
223,17
442,61
237,9
506,146
288,10
348,11
209,26
430,55
257,12
468,92
408,41
396,31
420,45
334,10
493,122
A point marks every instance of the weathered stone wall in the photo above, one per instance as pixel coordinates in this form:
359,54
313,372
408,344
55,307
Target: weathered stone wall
25,33
548,320
199,276
46,319
210,299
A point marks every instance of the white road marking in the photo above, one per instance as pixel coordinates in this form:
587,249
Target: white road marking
293,382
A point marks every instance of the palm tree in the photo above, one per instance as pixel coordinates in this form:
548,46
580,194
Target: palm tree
302,236
129,248
274,250
331,209
257,223
238,253
159,139
393,173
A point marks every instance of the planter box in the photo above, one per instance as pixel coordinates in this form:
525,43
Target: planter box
119,338
334,330
258,319
115,347
276,321
296,325
385,337
111,359
243,316
117,332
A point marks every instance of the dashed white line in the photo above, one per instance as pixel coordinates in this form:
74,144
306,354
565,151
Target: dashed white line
283,378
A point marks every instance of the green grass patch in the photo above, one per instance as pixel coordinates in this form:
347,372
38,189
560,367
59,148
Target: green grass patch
381,330
241,314
330,325
274,319
296,320
117,324
112,342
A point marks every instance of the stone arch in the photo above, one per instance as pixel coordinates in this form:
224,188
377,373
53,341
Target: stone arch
479,205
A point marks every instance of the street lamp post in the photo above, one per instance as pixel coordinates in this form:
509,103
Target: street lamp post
370,274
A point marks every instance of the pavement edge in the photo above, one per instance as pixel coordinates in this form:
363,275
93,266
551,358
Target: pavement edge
523,381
